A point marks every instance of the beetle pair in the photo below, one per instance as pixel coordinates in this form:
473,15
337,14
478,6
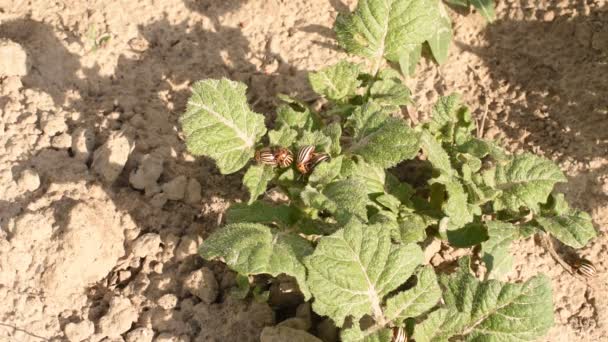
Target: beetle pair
306,161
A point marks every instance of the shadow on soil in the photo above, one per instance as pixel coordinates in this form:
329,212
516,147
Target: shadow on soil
559,68
144,98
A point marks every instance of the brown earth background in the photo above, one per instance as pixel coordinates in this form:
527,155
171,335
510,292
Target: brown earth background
102,209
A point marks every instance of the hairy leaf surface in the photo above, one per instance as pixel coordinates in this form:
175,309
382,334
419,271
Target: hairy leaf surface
336,82
219,124
574,229
351,271
495,251
252,248
256,180
386,28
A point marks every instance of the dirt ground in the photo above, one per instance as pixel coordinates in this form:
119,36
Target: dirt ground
102,209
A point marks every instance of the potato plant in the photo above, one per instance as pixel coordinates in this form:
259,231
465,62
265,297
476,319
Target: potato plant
349,227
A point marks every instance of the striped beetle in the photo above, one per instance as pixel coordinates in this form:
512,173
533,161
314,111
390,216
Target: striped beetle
305,154
399,335
265,156
283,156
585,268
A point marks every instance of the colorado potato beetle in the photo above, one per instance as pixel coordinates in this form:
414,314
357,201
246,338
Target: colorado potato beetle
305,154
283,156
265,156
585,268
318,158
399,335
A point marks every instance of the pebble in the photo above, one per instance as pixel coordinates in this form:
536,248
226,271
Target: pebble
146,245
158,200
202,283
119,318
147,173
193,192
549,16
76,332
110,158
283,333
140,335
28,180
295,323
327,331
52,124
83,142
168,337
168,301
13,59
61,141
187,246
176,188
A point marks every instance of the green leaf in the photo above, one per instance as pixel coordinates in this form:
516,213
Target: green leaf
525,181
351,271
315,199
457,206
411,228
391,144
256,180
390,202
326,172
451,122
349,197
241,290
354,334
409,59
336,82
495,251
314,138
486,8
460,3
334,132
252,248
415,301
492,310
574,229
436,155
380,28
372,177
294,114
367,119
390,92
470,235
261,212
284,137
219,124
441,39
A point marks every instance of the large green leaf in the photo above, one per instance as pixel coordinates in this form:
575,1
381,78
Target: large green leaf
390,144
525,181
574,229
256,180
252,248
372,177
409,59
349,197
441,39
366,119
451,122
495,251
336,82
415,301
219,124
489,311
386,28
351,271
261,212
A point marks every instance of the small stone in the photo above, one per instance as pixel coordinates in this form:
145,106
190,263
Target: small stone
123,276
282,333
193,192
83,142
13,59
187,246
146,245
119,318
327,331
147,173
61,141
295,323
140,335
29,180
168,337
304,312
111,157
168,301
549,16
176,188
76,332
158,200
52,124
202,283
